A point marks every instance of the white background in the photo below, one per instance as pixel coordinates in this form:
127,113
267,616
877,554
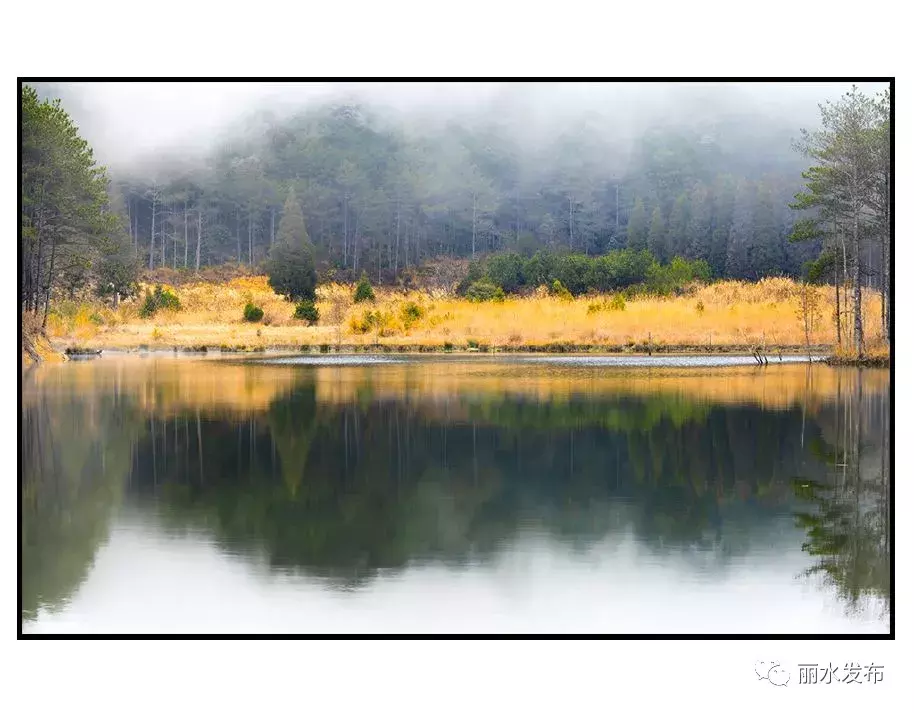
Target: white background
431,39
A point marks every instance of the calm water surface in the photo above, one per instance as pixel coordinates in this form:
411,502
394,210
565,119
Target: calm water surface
454,494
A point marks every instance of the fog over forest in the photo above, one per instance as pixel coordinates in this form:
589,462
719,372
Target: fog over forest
391,175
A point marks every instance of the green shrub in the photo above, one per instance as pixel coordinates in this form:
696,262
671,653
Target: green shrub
617,303
252,313
538,268
484,291
474,274
506,270
700,307
559,290
157,300
674,277
366,323
411,313
307,311
617,269
363,291
571,270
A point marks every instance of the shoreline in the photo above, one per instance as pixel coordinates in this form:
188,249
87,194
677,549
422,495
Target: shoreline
819,354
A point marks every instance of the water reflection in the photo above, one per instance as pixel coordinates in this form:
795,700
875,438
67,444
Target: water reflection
345,476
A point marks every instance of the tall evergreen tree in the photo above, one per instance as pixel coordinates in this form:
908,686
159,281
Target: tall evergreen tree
722,219
766,251
678,226
64,201
845,176
699,231
292,229
637,226
291,267
739,242
658,237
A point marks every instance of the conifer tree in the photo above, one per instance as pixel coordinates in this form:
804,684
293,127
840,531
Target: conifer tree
637,227
657,239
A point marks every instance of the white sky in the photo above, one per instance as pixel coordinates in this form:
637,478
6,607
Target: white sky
126,120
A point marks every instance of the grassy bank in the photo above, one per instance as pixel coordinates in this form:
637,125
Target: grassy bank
35,347
723,317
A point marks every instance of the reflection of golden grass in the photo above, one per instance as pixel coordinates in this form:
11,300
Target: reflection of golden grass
774,387
164,385
732,314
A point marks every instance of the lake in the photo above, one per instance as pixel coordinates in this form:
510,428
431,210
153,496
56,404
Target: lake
450,494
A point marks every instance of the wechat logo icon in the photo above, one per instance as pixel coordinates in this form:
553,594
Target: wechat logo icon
773,672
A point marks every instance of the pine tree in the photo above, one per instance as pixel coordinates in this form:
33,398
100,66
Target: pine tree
637,227
64,202
678,226
657,239
117,268
737,265
722,218
292,224
766,255
848,155
291,265
699,231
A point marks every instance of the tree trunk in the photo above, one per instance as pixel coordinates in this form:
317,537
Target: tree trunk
164,235
185,235
844,286
36,279
199,236
272,226
837,299
345,229
47,297
152,234
517,211
474,226
250,238
397,252
238,234
174,244
857,301
355,243
617,213
886,267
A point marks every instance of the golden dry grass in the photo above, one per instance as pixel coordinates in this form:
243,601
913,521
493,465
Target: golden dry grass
34,343
728,314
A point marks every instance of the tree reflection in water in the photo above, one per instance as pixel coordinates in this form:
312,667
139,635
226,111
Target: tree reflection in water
343,474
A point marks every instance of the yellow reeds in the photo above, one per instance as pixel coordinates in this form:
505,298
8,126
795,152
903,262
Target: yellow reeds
729,314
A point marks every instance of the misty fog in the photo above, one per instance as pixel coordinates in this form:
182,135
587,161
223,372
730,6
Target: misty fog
127,121
390,176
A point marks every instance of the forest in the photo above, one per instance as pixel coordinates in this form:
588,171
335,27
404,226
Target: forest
748,195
